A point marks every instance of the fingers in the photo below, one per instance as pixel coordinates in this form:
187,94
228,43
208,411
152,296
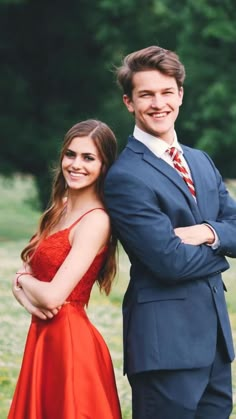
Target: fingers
54,311
39,314
49,314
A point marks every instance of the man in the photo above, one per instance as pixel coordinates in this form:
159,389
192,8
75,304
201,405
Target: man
176,221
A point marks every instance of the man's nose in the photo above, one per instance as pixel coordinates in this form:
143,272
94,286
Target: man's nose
157,101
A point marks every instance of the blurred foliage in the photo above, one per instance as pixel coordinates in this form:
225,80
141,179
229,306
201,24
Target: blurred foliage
57,67
207,44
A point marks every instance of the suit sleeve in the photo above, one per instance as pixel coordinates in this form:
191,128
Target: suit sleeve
147,234
225,224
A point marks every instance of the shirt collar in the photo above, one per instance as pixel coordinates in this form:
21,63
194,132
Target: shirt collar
155,144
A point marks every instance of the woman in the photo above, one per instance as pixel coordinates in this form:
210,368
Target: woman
66,371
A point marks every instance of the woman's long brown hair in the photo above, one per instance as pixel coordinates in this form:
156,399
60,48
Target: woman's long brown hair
105,141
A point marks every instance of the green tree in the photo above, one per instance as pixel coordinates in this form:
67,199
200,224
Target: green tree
52,75
57,67
206,44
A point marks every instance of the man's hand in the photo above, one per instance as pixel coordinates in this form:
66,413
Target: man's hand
195,235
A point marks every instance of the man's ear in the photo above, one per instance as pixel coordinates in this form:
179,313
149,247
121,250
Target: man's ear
181,95
128,103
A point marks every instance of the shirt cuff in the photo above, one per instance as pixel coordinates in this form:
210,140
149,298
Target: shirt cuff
216,242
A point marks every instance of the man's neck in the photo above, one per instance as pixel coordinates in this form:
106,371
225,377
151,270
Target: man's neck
144,136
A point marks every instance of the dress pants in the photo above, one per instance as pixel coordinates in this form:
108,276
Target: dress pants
204,393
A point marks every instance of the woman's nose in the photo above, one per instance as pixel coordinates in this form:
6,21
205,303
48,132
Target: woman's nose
77,163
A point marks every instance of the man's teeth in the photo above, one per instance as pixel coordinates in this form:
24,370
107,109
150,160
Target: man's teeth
159,115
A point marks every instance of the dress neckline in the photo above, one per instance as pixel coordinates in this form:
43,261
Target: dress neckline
103,249
75,222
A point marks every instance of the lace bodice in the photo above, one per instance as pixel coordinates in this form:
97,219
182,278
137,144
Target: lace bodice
49,256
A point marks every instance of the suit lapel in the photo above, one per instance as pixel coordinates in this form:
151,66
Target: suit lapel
169,172
174,176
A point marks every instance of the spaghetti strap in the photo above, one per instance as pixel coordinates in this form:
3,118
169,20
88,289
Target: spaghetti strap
82,216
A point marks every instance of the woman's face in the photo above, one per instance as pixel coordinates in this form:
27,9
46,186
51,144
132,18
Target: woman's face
81,164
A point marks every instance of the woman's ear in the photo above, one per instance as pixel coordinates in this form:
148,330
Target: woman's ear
103,169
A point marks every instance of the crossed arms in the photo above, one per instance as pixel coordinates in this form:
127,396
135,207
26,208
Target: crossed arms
174,254
45,299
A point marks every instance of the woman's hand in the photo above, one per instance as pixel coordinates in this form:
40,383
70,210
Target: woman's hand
40,312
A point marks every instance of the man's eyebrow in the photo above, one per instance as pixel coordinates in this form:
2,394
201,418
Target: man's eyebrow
140,92
169,88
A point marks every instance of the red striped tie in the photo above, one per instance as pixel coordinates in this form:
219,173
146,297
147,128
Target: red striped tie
178,164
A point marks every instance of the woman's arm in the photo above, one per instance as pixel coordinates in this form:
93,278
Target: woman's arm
41,313
87,239
21,297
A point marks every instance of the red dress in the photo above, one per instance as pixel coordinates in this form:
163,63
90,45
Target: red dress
66,372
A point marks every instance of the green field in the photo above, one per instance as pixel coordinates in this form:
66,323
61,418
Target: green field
18,218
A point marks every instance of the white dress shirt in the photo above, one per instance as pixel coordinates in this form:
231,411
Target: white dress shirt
159,147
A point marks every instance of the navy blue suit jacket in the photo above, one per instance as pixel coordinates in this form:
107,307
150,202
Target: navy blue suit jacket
175,299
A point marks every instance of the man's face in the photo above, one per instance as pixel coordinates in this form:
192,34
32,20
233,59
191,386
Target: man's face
155,103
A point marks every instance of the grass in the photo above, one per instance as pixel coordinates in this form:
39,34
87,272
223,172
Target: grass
18,219
18,216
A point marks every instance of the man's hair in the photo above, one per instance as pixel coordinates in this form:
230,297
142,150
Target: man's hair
150,58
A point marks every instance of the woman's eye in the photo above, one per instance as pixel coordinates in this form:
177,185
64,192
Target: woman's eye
88,158
69,153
